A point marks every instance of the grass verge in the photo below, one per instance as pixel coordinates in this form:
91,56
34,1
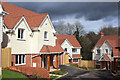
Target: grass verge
58,72
53,77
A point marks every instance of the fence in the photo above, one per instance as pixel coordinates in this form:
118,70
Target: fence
86,63
6,57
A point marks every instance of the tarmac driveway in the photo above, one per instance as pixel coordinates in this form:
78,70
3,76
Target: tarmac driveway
78,74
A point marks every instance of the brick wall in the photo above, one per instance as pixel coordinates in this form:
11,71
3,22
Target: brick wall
37,60
32,70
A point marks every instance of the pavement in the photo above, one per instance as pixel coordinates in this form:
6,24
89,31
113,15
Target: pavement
78,74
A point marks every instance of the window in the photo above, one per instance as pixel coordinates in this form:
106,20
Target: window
106,51
75,60
45,35
97,62
19,59
66,49
98,51
74,49
21,33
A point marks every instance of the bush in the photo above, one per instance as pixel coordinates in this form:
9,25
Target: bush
39,76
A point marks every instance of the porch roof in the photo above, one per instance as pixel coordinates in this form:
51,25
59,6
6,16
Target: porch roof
76,56
105,57
51,49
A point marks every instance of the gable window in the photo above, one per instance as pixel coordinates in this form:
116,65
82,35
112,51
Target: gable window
20,59
98,51
75,60
66,49
106,51
21,33
74,49
45,35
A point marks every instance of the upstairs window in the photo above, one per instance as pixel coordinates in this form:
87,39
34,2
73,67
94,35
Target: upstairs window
66,49
106,51
98,51
45,35
21,33
74,49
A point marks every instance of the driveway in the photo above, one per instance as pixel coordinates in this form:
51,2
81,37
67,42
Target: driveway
75,73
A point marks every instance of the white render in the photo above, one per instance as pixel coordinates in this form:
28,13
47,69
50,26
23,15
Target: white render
104,46
68,45
33,41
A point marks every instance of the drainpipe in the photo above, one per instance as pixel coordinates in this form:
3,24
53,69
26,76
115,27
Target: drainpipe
31,59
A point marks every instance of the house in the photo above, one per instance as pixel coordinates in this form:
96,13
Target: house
72,47
32,37
105,54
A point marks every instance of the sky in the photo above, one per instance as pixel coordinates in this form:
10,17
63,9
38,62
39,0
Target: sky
92,15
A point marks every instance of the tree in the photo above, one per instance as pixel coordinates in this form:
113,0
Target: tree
109,30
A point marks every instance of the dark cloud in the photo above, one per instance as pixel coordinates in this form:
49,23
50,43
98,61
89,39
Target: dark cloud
57,10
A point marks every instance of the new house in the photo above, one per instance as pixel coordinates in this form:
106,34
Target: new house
72,47
105,54
33,39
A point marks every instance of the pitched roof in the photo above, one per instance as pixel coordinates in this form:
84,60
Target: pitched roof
106,57
70,38
51,49
112,40
76,56
15,13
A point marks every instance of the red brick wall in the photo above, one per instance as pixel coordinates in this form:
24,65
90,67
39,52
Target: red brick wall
37,60
32,70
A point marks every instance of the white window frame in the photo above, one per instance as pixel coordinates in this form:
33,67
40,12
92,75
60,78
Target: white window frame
46,35
21,60
67,49
106,51
97,52
20,34
75,62
76,50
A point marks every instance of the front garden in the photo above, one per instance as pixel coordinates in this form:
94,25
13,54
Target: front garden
11,74
56,74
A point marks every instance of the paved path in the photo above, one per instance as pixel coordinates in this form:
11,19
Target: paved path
78,74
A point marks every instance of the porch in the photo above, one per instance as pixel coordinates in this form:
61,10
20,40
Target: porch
51,62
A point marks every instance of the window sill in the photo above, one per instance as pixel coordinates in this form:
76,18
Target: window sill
21,39
75,62
46,40
20,64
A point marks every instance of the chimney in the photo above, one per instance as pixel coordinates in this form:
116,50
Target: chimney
101,34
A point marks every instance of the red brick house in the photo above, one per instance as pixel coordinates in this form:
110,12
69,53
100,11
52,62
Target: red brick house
105,54
33,39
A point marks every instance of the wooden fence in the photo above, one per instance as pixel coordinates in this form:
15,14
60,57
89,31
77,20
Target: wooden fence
6,57
87,63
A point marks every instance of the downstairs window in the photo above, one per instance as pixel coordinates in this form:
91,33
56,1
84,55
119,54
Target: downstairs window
20,59
75,60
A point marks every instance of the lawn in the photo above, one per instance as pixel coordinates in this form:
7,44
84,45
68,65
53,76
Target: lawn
12,74
58,72
76,66
53,77
90,68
